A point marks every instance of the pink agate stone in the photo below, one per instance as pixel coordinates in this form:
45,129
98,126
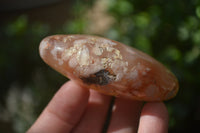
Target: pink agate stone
109,67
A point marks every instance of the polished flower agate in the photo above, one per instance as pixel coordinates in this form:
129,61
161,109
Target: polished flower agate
109,67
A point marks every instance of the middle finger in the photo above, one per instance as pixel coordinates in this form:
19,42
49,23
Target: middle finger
95,115
125,116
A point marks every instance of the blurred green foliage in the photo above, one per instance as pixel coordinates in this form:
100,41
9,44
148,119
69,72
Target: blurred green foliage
27,84
167,30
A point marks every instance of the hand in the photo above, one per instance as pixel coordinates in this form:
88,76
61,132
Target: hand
78,110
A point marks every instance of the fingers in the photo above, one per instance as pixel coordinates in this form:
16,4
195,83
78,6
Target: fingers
94,118
154,118
125,116
63,111
70,108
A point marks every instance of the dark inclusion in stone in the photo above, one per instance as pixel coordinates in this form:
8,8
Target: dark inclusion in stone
102,77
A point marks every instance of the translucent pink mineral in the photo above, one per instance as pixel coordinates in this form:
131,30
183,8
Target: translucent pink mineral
109,67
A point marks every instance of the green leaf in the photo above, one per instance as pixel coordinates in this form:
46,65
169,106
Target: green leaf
173,53
198,11
142,20
192,55
196,37
183,33
143,44
125,7
18,26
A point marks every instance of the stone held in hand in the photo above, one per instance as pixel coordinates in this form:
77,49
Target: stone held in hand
109,67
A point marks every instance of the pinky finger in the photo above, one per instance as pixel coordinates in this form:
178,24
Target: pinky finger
154,118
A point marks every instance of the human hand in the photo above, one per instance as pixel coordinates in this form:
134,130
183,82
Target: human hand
74,109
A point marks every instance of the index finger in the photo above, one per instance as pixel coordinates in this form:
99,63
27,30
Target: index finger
64,110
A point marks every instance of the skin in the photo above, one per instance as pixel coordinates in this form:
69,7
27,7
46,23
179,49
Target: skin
74,109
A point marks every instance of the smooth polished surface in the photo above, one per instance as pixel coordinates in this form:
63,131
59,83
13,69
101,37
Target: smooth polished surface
109,67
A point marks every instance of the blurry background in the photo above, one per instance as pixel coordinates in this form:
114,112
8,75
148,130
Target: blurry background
167,30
